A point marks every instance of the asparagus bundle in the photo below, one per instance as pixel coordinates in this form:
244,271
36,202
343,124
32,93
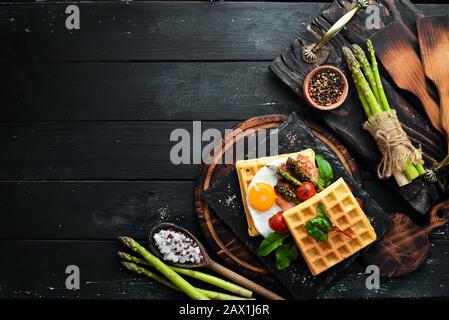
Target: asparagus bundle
208,293
171,275
400,158
223,284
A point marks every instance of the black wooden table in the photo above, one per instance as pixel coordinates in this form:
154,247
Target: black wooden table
86,117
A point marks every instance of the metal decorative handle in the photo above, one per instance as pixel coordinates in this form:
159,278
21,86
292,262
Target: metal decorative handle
309,52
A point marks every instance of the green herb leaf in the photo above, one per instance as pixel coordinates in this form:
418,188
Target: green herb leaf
286,254
270,243
321,212
319,226
325,172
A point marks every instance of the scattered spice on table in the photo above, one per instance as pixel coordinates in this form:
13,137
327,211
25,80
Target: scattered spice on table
177,247
326,87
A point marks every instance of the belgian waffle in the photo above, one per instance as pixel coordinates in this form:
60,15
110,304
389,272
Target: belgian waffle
247,169
345,213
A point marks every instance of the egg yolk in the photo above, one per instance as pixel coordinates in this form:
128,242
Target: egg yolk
261,196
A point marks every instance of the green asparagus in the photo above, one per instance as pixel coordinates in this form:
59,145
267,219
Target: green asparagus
299,172
284,190
373,103
368,72
380,89
160,266
284,174
223,284
210,294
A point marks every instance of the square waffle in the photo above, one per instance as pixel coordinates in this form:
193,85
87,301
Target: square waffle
345,213
247,169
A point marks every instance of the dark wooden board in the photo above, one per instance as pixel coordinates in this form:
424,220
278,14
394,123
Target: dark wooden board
151,31
94,150
102,277
293,133
110,206
96,210
139,31
291,69
142,91
219,236
100,210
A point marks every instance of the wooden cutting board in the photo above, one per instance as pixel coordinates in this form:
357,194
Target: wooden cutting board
433,35
224,198
395,47
346,122
217,234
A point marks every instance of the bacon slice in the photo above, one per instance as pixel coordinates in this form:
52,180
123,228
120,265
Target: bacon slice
284,204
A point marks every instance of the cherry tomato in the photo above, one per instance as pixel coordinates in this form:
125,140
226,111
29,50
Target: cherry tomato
349,186
305,191
277,223
361,204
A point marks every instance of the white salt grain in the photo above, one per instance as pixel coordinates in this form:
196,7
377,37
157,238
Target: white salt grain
177,247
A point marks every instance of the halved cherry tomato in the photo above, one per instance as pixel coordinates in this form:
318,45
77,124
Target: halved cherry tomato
305,191
277,223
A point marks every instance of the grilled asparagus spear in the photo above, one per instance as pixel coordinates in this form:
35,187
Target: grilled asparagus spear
300,173
284,190
284,174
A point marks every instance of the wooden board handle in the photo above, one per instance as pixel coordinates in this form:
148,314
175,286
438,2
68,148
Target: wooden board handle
444,101
245,282
439,215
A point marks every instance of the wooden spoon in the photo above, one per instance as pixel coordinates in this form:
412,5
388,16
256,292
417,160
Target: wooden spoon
209,263
395,48
406,246
433,34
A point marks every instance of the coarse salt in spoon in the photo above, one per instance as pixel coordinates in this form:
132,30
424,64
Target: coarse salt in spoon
176,243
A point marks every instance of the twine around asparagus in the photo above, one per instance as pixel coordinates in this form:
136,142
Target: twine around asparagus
393,143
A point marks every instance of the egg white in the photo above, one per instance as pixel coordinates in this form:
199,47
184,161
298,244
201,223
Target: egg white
261,218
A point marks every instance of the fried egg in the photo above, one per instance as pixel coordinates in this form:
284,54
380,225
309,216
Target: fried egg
261,197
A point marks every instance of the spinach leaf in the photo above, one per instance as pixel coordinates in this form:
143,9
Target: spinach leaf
325,172
270,243
319,226
321,212
286,254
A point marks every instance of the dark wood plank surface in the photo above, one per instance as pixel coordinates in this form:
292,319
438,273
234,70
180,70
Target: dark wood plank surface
86,118
102,277
142,91
115,31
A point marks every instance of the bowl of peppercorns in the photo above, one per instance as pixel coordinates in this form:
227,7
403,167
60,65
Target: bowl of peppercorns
326,88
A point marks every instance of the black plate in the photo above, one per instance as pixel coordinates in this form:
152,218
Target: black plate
293,136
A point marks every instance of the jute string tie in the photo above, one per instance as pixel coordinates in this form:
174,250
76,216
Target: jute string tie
393,143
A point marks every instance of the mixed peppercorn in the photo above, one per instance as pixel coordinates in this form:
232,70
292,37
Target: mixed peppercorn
326,87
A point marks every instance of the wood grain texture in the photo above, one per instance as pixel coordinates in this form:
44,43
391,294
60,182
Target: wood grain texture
100,210
395,48
405,247
95,150
151,31
139,31
102,277
433,35
291,69
142,91
93,209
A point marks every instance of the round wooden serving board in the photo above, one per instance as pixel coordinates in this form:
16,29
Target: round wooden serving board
219,237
